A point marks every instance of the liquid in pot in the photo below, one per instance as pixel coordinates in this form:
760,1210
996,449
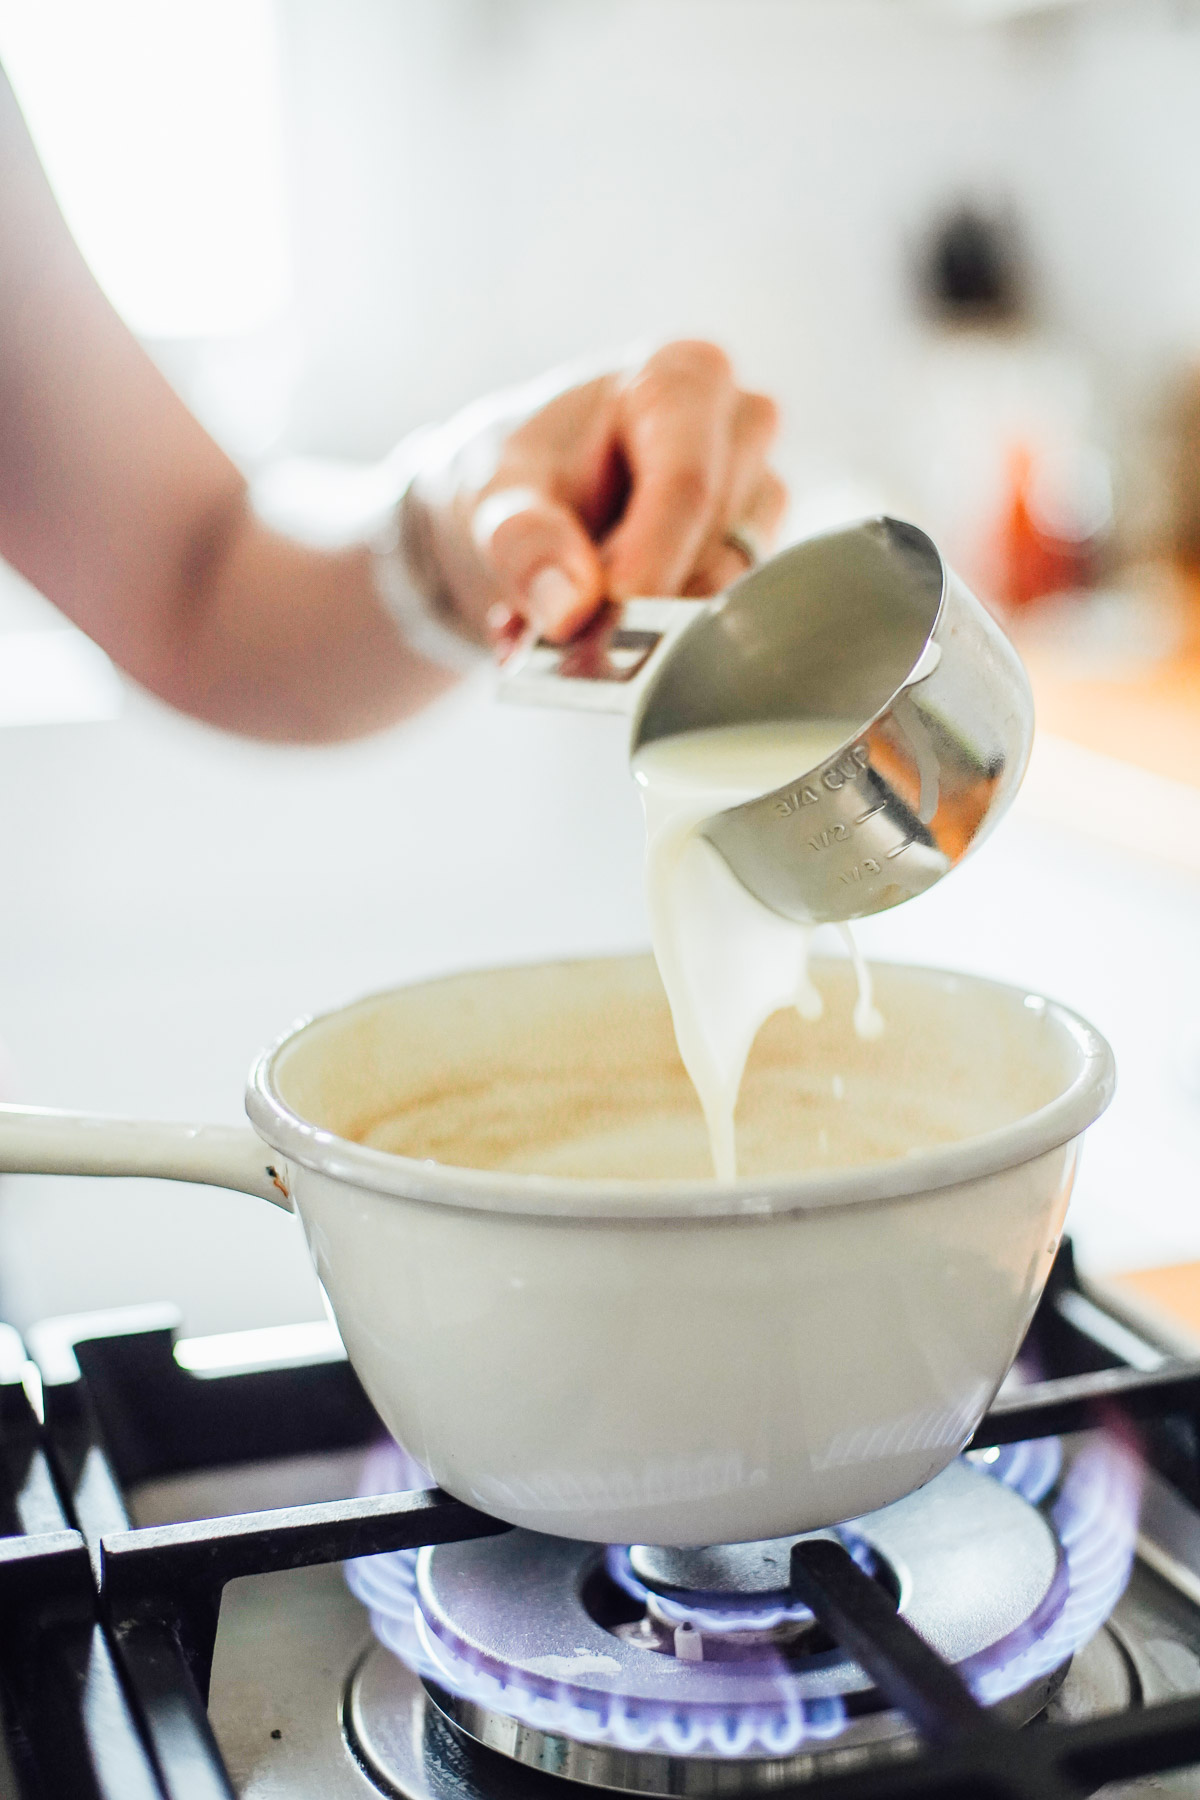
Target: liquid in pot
572,1070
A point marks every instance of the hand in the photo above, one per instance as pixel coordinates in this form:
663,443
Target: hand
541,504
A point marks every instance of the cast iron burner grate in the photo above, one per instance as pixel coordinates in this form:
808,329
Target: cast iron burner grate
107,1631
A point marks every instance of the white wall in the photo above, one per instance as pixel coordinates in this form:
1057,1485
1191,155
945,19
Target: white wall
484,186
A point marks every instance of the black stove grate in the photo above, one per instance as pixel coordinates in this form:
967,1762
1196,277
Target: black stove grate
107,1631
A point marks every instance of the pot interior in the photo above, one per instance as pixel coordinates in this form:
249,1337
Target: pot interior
571,1070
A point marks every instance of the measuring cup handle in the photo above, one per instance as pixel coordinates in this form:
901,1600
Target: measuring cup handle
38,1140
607,666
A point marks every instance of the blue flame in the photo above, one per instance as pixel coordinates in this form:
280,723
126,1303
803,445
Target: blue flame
1094,1517
1095,1520
708,1612
1031,1468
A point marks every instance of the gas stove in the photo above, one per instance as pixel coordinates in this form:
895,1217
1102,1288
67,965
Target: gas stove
175,1622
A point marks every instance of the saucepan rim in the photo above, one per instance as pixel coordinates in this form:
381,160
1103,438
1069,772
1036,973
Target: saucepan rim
387,1174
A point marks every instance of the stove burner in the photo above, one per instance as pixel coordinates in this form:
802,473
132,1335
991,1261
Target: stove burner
618,1667
397,1731
725,1588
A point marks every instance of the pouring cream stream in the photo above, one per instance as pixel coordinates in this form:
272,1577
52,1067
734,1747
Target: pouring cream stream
727,961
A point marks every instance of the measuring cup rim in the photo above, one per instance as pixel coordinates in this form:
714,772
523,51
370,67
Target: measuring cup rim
873,523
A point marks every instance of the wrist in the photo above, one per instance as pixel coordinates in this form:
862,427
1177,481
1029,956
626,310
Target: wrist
409,578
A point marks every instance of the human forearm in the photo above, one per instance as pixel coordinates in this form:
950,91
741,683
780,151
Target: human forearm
527,509
278,640
118,505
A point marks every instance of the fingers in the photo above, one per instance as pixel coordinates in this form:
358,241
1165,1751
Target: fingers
759,512
616,487
676,423
697,450
544,566
754,497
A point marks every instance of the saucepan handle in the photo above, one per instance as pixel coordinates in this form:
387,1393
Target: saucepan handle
37,1140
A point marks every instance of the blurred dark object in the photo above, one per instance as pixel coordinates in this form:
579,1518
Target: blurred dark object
1186,473
971,270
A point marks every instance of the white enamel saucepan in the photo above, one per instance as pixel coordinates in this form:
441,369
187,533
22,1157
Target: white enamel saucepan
501,1178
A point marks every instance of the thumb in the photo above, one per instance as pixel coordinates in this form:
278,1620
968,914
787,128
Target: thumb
544,563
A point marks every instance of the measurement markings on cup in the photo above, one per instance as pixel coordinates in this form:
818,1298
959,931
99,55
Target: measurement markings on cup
846,767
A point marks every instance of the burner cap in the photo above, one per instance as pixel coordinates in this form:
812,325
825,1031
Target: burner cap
972,1563
738,1570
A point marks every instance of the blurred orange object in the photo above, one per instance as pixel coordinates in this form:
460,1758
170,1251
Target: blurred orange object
1149,716
1031,560
1172,1294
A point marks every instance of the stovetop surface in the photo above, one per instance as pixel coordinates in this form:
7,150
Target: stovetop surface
289,1647
148,1566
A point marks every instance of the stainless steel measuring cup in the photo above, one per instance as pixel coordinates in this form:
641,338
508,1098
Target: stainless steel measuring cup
865,623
